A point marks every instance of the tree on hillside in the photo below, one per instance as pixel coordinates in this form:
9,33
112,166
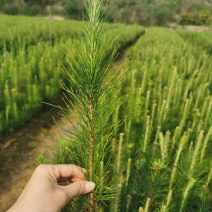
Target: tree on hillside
41,3
145,12
75,8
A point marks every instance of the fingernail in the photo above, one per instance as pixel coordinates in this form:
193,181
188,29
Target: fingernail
89,186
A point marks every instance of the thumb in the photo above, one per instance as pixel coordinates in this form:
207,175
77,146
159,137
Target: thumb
79,188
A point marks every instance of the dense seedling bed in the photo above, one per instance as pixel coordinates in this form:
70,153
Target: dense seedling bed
17,32
201,40
166,157
32,54
162,159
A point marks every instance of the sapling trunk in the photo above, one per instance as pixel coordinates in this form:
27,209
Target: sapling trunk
147,133
146,208
205,142
185,194
91,146
165,207
178,154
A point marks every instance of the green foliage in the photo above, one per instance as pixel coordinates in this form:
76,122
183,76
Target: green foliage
162,161
41,2
31,58
75,9
197,6
21,34
30,10
167,126
131,11
28,72
153,12
199,19
201,40
18,8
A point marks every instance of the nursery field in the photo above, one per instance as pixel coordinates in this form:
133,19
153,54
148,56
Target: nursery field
162,158
166,156
142,129
32,52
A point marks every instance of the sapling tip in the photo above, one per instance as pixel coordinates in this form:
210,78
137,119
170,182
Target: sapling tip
186,191
146,208
140,209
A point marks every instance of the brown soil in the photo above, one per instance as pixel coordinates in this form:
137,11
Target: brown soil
197,28
19,153
191,27
56,17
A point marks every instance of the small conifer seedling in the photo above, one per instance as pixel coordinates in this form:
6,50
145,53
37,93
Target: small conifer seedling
92,88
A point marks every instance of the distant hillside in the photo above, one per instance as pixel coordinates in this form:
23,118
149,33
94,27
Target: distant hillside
145,12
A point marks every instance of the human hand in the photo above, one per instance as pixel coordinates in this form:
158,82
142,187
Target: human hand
44,192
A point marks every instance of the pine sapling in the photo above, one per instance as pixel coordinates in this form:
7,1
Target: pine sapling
92,90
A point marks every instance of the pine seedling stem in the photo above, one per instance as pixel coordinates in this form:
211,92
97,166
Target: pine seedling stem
129,162
185,109
146,208
163,142
162,109
181,145
209,176
205,143
166,206
147,132
143,84
101,174
191,146
169,196
175,136
147,103
155,141
170,92
91,145
196,153
177,91
208,112
133,82
116,201
189,186
140,209
113,147
129,199
197,98
119,153
154,105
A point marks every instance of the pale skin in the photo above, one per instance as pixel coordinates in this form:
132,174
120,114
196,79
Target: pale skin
47,190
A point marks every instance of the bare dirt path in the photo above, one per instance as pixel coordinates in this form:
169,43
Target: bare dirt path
19,153
191,27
